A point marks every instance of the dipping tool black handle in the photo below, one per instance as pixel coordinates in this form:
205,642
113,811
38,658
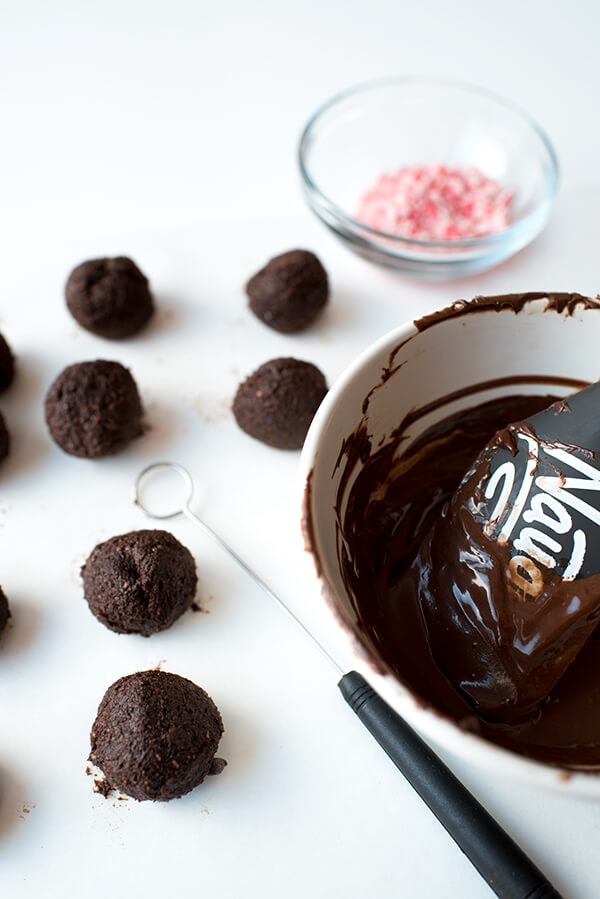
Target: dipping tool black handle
501,863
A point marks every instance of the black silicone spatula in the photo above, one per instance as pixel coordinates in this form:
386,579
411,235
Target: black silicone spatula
541,495
509,573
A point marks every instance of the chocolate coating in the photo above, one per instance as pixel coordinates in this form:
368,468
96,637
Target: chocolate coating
139,582
109,297
93,409
277,402
414,602
155,736
290,292
4,610
7,364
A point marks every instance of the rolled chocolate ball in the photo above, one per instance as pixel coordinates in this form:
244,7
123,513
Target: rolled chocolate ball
277,402
109,297
155,736
139,582
290,292
93,409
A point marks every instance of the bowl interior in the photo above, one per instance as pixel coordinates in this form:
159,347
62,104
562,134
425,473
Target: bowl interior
380,127
536,350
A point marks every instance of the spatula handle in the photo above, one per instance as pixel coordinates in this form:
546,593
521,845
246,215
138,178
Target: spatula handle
501,863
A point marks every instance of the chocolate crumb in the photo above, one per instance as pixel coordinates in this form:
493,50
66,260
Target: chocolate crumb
217,766
102,786
4,610
7,364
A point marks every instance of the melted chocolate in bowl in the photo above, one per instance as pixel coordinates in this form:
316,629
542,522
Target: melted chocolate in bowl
395,470
385,522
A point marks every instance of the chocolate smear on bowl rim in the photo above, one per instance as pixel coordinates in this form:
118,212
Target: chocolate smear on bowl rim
540,739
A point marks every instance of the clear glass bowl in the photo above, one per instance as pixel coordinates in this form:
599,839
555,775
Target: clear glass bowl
377,127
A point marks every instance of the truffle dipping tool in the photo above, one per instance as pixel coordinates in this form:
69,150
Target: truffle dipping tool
502,864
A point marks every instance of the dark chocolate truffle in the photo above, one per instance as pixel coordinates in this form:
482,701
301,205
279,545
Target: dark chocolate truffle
4,610
7,364
139,582
289,292
93,409
155,736
109,297
277,403
4,439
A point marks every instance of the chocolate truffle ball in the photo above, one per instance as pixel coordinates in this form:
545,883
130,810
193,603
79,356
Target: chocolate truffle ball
139,582
7,364
4,439
155,736
277,403
289,292
4,610
109,297
93,409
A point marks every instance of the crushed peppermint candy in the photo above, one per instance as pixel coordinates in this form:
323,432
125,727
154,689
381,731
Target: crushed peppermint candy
436,202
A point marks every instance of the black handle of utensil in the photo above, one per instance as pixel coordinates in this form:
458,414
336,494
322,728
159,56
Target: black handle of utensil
501,863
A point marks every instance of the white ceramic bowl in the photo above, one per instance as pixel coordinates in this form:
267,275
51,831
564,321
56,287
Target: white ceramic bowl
379,126
407,369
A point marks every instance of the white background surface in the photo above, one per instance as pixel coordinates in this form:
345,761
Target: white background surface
168,131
